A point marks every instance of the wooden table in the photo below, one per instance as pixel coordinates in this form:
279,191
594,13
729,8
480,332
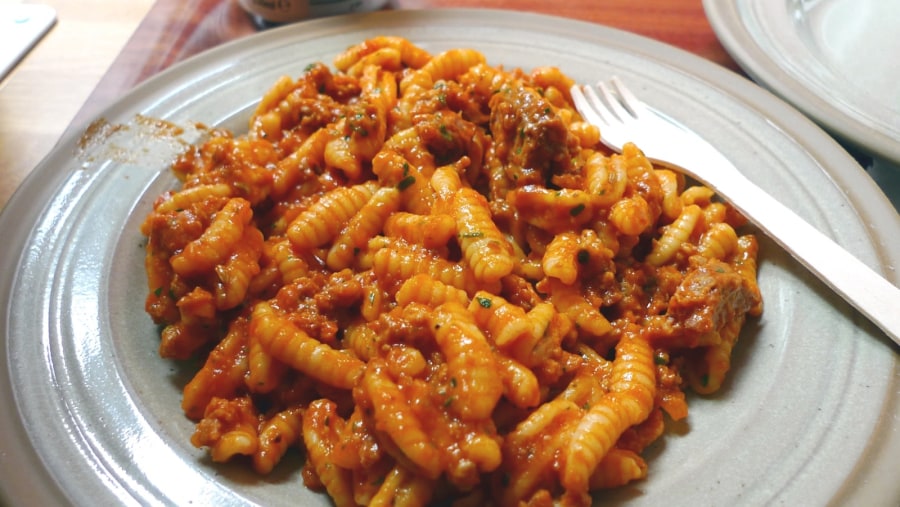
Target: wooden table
42,95
54,80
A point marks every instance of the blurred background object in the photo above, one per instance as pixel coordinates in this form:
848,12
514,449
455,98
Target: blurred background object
21,27
267,12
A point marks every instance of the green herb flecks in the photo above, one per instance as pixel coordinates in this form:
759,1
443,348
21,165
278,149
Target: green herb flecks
406,182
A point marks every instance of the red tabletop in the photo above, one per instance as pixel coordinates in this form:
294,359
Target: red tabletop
176,29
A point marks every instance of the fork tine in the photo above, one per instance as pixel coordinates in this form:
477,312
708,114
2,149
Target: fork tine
585,107
599,106
613,102
595,107
634,105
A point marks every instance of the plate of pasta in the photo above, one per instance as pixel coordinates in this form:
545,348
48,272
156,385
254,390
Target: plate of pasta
379,259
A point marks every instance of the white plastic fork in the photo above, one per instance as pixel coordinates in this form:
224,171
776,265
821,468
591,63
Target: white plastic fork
623,118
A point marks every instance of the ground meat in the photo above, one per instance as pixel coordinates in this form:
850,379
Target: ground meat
449,137
318,100
313,113
531,139
710,296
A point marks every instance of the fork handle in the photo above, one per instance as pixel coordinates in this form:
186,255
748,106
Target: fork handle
870,293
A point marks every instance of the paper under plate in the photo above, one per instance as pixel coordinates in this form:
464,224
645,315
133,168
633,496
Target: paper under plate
833,59
91,414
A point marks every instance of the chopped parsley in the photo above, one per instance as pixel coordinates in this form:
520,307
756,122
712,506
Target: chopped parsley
445,133
583,256
406,182
660,357
576,210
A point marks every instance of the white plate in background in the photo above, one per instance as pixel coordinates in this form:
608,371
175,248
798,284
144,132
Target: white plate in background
835,60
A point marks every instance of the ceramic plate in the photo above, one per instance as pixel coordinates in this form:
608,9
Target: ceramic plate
835,60
91,414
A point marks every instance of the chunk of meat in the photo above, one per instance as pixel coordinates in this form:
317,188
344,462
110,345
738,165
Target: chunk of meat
450,137
530,138
709,297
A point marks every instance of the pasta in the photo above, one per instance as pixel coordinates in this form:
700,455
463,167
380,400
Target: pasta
424,273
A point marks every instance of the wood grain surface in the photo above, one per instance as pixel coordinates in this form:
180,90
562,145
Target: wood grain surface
168,31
